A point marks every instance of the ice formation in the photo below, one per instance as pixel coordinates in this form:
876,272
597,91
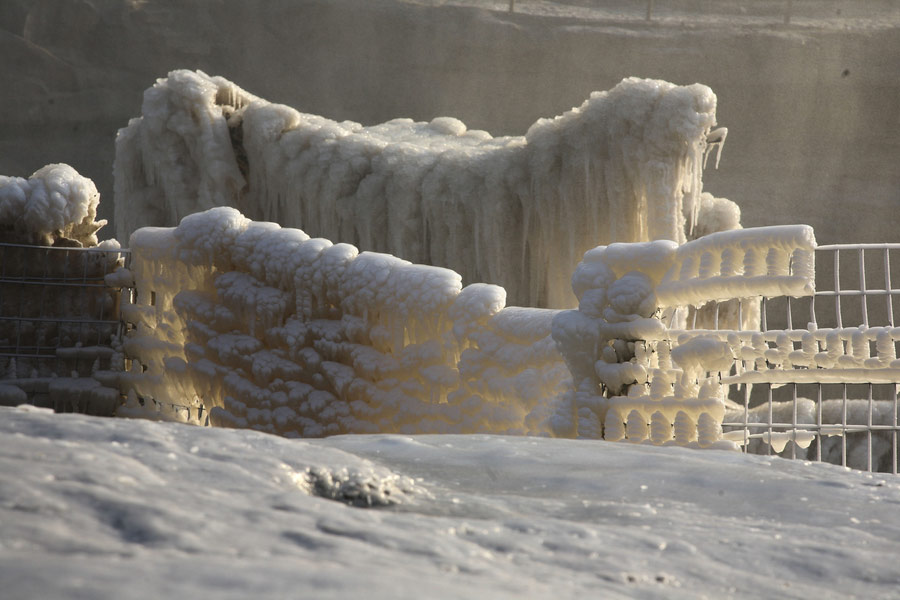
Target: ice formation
844,427
58,317
625,166
264,327
54,207
260,326
641,368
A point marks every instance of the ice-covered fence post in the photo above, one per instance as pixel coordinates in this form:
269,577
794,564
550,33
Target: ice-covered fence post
601,341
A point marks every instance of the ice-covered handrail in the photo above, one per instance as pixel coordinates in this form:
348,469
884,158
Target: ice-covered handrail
625,166
260,326
757,262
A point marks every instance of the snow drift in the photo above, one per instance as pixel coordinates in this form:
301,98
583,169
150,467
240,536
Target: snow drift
86,504
517,211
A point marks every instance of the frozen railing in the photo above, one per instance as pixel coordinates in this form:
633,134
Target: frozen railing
835,395
736,345
59,320
643,368
697,345
700,345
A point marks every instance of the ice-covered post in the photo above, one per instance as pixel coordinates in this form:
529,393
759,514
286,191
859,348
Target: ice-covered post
601,340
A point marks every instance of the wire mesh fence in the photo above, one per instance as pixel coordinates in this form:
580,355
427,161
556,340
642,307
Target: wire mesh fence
833,396
58,318
747,12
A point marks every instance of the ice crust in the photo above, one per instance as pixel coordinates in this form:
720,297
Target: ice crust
625,166
55,206
263,327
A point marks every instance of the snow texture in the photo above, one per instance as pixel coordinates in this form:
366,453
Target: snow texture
625,166
260,326
113,508
54,207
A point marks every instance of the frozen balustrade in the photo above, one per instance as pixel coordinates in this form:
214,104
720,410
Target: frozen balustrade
666,338
248,324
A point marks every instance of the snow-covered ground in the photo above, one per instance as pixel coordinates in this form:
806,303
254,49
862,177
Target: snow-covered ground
115,508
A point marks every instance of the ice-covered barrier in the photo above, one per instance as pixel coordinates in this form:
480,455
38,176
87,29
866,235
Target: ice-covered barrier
54,207
58,318
260,326
625,166
257,326
642,368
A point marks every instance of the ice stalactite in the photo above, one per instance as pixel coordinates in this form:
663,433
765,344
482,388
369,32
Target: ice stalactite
519,211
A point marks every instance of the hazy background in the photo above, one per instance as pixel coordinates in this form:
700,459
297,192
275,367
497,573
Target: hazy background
812,107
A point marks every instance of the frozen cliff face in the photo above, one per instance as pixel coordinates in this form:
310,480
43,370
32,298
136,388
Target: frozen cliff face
517,211
55,206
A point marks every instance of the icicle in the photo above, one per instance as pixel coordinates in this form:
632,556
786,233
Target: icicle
715,138
884,346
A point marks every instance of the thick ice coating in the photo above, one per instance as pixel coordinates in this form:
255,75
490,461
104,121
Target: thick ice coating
645,363
625,166
263,327
55,206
